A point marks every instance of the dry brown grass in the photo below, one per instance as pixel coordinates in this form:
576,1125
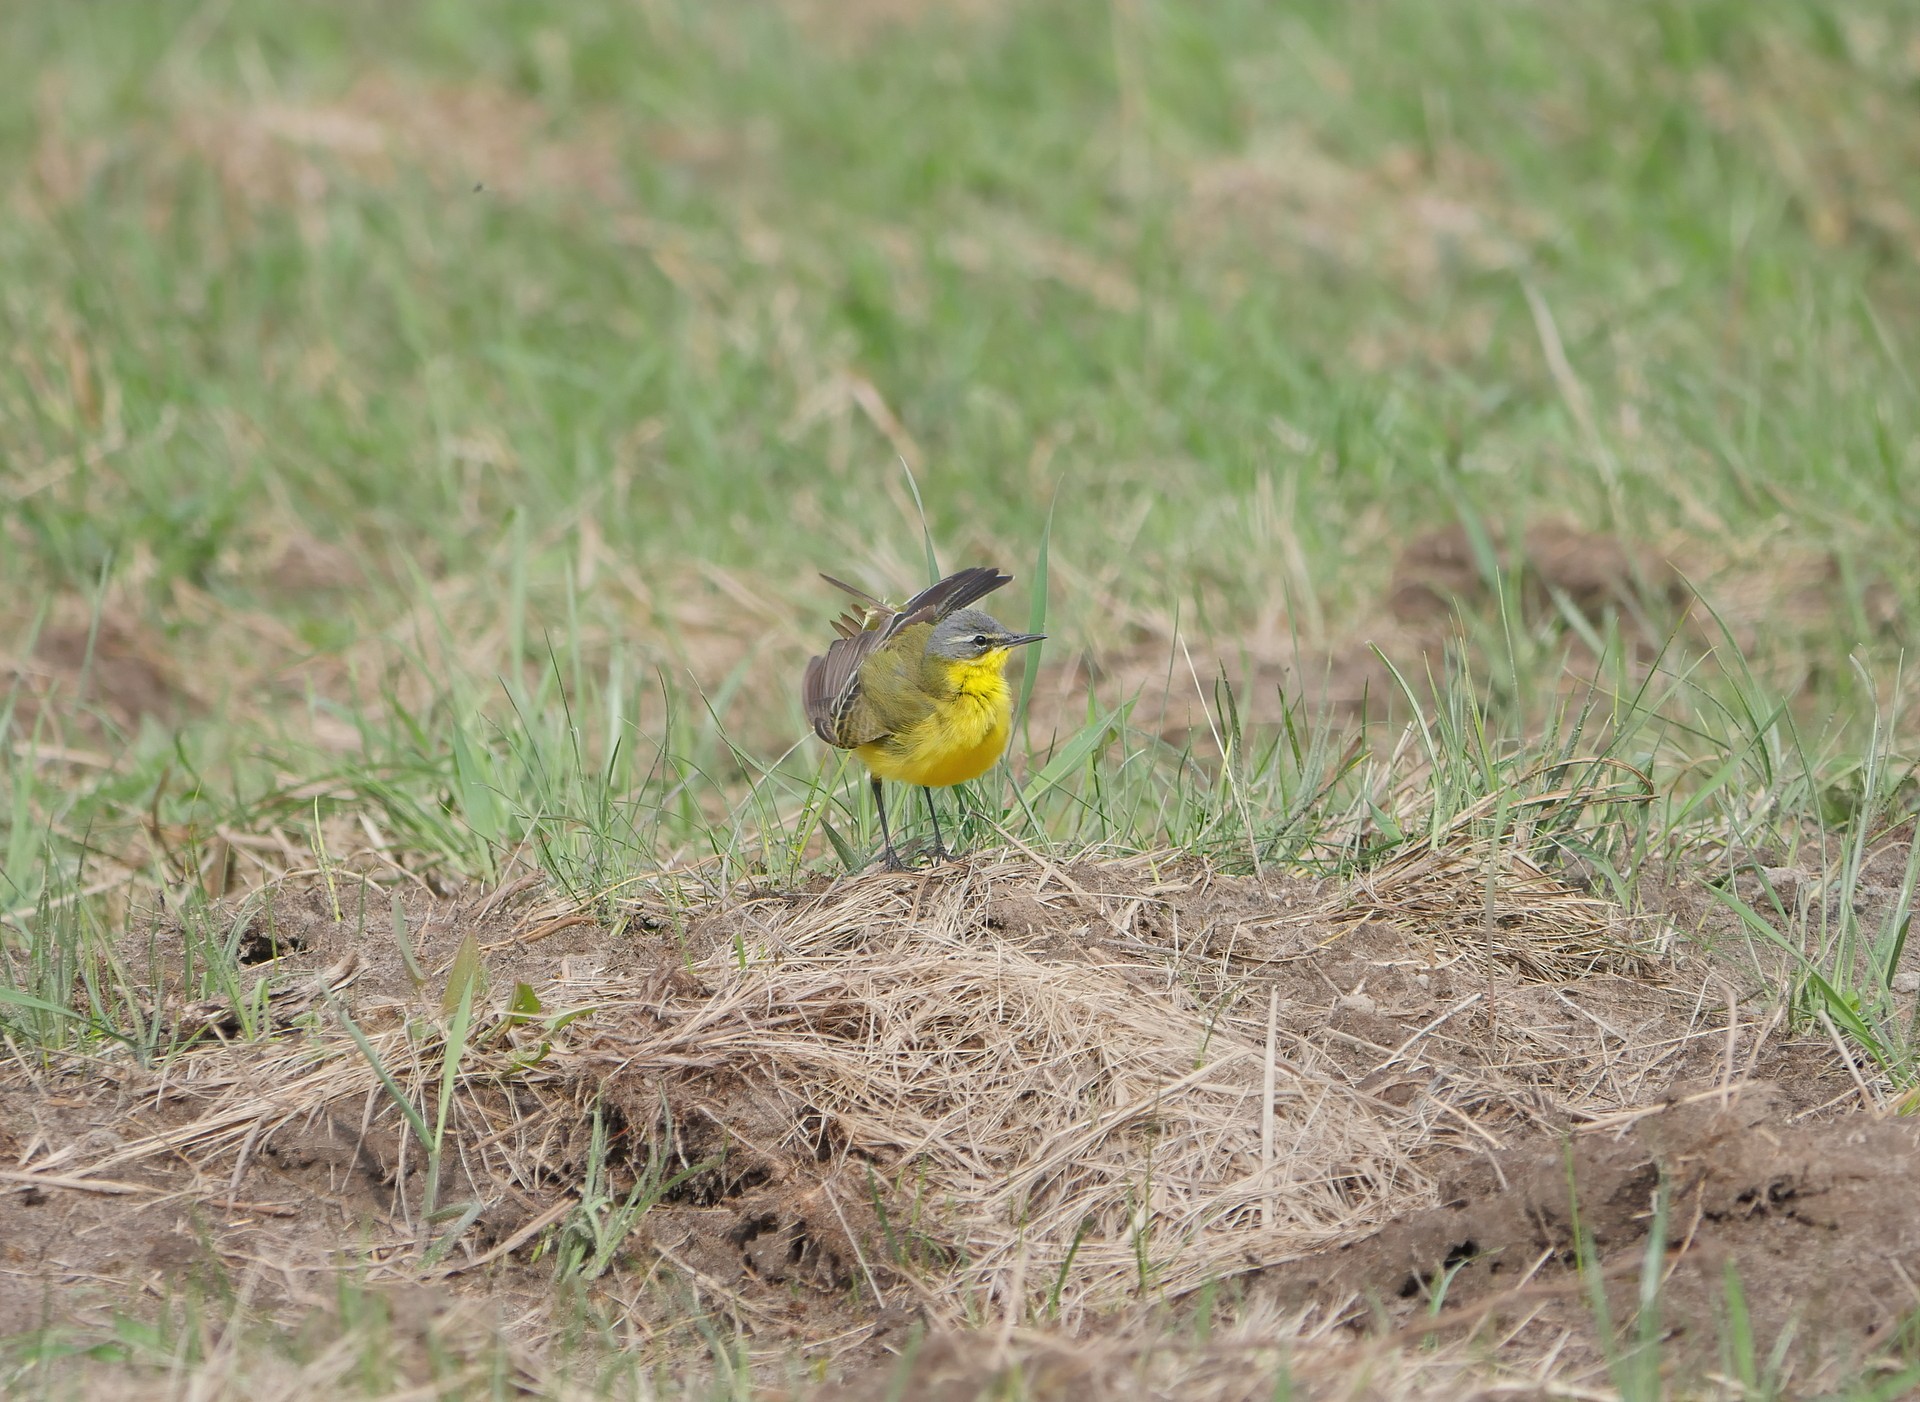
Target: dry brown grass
294,153
1010,1094
1411,219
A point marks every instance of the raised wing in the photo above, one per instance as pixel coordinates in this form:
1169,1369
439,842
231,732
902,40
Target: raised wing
932,604
872,613
830,691
956,591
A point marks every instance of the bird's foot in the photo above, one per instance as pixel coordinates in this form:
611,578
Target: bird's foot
891,862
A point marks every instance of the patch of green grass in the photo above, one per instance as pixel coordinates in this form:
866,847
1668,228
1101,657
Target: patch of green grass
1137,236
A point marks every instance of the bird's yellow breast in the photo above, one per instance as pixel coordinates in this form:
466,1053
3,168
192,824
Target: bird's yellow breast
960,737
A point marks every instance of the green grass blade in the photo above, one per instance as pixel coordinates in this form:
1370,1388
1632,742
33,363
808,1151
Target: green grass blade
926,531
1036,623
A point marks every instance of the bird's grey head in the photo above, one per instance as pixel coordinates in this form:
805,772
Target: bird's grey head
966,634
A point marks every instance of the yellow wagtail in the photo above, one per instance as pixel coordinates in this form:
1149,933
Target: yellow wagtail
919,692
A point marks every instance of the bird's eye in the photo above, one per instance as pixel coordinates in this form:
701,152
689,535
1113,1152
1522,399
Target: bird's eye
979,639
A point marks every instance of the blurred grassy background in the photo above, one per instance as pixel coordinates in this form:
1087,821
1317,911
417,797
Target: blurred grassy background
363,355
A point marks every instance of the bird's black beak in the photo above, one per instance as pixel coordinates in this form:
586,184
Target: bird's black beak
1022,639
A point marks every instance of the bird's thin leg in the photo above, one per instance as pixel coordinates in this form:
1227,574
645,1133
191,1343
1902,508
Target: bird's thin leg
886,838
940,852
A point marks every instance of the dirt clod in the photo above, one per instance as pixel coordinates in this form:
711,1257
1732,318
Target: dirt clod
1817,1220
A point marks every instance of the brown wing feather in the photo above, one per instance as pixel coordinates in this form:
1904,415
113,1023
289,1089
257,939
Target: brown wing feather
831,686
862,595
956,591
872,613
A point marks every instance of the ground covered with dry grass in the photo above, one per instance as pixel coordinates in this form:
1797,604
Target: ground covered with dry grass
954,1131
1441,929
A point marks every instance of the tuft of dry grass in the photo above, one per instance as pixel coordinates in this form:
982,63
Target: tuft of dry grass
1006,1088
1480,895
1078,1128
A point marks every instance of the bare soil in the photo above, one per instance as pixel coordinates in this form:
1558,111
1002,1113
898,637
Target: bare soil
1816,1218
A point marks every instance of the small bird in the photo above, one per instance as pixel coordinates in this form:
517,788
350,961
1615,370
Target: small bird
919,692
